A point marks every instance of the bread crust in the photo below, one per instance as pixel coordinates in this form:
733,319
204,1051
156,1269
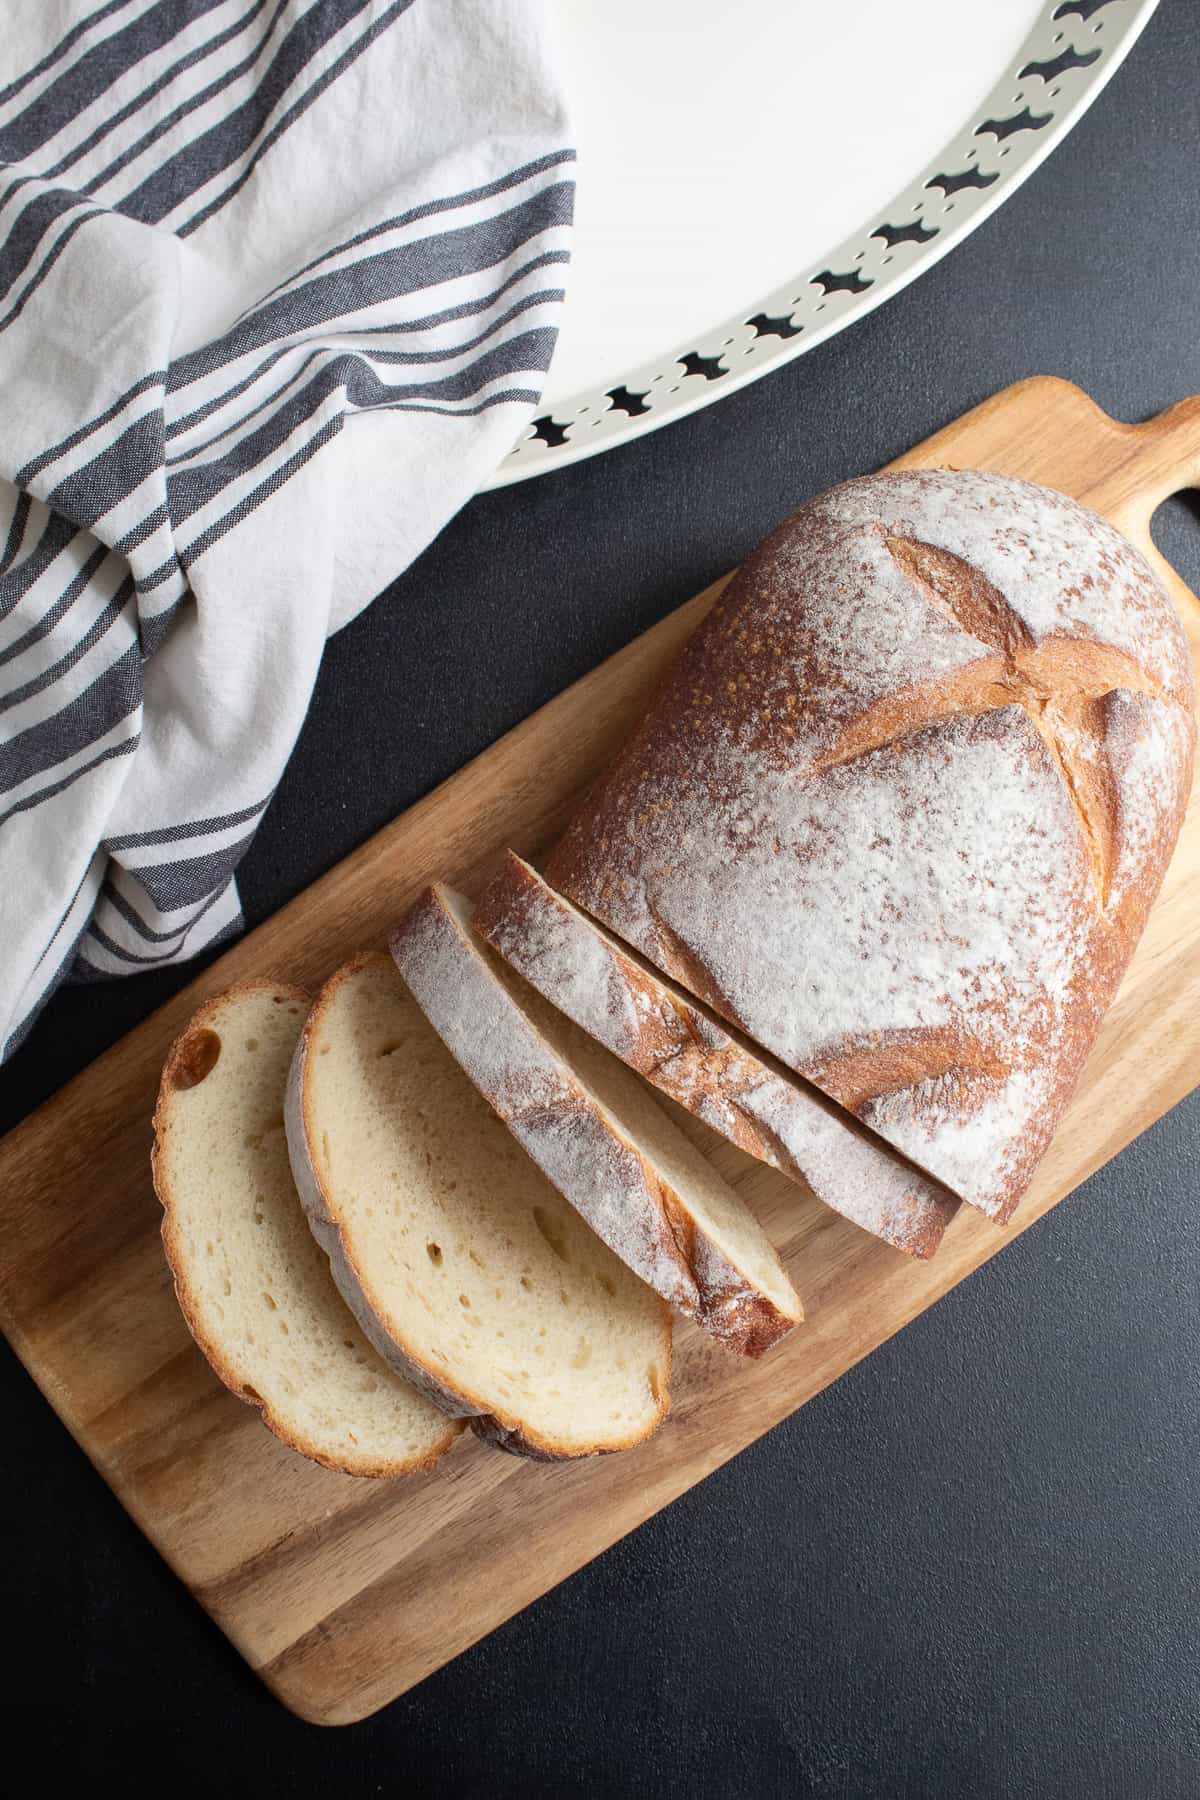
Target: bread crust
685,1052
901,806
207,1018
353,1282
580,1148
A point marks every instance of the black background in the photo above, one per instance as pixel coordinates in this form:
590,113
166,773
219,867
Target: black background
973,1566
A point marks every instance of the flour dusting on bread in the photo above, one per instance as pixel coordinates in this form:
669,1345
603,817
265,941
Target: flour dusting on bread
596,1131
901,806
667,1036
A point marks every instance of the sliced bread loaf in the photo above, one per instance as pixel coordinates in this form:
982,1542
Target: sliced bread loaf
597,1132
467,1270
678,1044
254,1287
901,806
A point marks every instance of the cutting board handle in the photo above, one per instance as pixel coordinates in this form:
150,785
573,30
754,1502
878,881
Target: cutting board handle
1160,457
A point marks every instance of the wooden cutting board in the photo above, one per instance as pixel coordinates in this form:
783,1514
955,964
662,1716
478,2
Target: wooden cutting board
341,1593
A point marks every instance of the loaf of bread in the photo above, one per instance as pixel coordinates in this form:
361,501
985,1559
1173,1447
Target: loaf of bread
681,1047
597,1133
254,1287
900,808
466,1269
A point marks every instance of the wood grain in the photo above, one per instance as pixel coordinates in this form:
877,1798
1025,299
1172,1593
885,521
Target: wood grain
343,1593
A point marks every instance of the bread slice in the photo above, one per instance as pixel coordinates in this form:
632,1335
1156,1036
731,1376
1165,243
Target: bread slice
597,1133
683,1049
465,1268
254,1288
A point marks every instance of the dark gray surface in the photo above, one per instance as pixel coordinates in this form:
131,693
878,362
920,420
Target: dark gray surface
971,1568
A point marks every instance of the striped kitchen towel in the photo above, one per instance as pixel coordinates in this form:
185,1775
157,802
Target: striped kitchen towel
279,284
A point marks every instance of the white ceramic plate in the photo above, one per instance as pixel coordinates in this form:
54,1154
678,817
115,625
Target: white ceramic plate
723,149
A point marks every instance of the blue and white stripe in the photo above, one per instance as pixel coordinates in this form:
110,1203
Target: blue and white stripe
279,284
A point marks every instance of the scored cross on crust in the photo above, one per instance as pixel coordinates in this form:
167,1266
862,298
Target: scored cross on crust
1064,685
901,806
